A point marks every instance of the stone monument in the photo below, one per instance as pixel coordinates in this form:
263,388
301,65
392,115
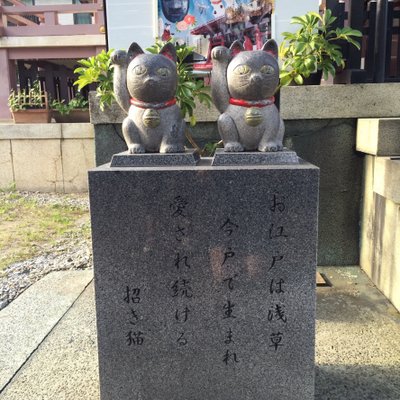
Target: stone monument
205,281
205,274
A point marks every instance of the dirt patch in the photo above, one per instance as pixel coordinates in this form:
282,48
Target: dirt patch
30,226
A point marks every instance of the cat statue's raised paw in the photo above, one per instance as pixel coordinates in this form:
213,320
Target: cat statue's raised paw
243,84
145,87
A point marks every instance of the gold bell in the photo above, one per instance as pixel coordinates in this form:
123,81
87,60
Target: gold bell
151,118
253,116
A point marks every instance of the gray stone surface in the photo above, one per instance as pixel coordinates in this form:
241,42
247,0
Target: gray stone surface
380,233
112,114
330,145
379,136
378,100
387,178
183,257
189,157
64,366
358,339
27,320
364,100
255,158
108,140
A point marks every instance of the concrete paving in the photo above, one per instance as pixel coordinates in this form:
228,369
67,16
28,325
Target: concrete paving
26,322
357,349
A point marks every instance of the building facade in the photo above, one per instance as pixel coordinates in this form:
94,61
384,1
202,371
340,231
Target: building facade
44,39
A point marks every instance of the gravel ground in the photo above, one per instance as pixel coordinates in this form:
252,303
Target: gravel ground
67,254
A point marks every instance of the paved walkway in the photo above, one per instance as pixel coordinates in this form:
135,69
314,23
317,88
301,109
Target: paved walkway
48,340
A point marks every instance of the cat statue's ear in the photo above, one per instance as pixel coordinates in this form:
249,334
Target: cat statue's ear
134,51
236,48
271,47
169,51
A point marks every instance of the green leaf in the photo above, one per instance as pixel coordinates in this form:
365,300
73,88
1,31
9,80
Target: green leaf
190,85
300,47
351,32
310,64
298,79
355,43
315,15
298,20
283,74
286,80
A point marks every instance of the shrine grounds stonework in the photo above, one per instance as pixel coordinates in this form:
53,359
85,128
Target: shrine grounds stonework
205,281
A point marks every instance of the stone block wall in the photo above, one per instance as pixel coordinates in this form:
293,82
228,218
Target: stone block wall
46,157
380,217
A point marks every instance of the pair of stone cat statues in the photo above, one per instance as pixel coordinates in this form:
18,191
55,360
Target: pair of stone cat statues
242,86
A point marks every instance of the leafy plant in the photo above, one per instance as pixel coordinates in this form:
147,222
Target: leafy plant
77,103
16,100
60,106
97,69
30,98
210,148
314,47
188,87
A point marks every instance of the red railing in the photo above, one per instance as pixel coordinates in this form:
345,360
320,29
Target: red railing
22,20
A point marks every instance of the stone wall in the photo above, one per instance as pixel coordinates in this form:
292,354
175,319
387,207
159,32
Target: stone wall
379,139
46,157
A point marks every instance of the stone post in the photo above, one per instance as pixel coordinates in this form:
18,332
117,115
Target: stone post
7,82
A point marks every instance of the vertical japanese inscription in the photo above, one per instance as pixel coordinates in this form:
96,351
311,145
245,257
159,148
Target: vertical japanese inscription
134,335
277,232
228,229
181,289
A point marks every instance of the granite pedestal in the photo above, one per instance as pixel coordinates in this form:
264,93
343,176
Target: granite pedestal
124,159
205,281
255,158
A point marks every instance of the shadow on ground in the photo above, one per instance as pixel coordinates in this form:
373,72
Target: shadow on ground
357,382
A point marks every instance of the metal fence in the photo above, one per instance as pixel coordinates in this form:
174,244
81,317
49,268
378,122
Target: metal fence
379,20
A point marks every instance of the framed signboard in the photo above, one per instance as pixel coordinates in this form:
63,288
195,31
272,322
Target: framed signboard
208,23
200,23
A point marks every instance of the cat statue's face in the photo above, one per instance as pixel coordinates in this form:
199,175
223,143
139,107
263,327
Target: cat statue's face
152,78
253,75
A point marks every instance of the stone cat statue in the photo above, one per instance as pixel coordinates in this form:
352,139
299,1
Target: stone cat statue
145,86
242,86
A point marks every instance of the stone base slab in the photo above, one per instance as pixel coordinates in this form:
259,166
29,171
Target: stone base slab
124,159
254,158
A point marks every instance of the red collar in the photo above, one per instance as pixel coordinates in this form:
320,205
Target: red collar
246,103
156,106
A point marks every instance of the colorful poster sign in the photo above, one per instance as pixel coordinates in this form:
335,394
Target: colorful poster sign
207,23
